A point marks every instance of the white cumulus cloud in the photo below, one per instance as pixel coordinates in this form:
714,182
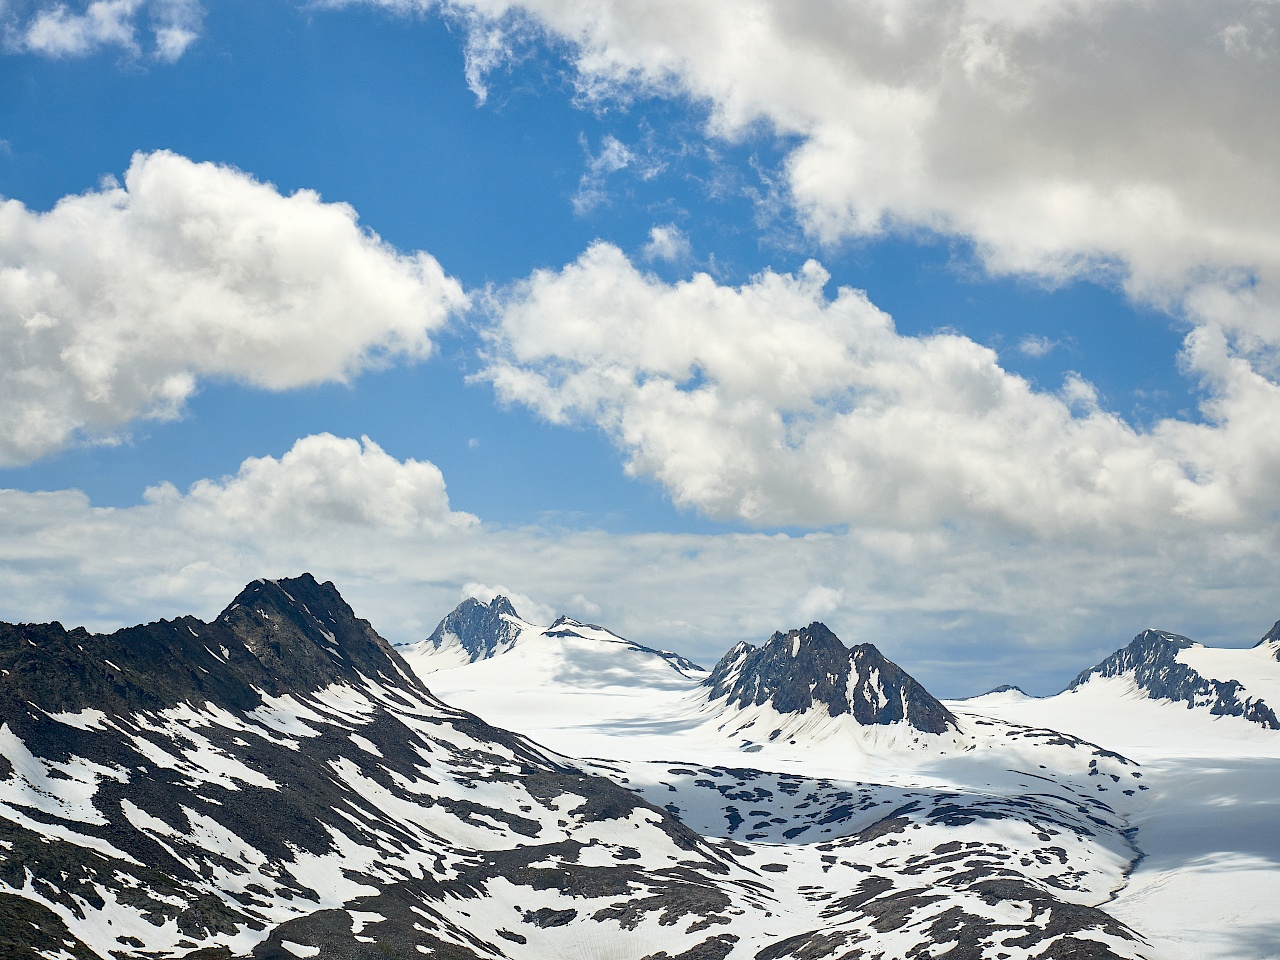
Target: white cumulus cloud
1121,138
773,403
668,243
323,482
117,302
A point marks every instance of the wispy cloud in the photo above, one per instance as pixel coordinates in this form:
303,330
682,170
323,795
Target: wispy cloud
58,30
1034,345
667,243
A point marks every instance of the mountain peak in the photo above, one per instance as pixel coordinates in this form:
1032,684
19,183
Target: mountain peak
1151,661
804,668
480,629
277,636
306,635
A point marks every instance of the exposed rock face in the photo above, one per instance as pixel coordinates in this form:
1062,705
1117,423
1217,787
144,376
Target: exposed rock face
1271,639
276,636
1006,688
794,671
277,784
1151,660
482,629
218,789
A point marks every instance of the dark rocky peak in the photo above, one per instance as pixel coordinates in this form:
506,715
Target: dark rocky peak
305,636
1002,688
564,626
286,636
1271,639
1146,656
482,629
1151,661
881,692
794,671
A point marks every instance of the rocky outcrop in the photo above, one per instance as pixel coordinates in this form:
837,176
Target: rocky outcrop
481,629
1151,661
795,671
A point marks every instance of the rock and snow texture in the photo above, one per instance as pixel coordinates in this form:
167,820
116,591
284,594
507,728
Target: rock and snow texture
278,779
806,674
1223,682
278,784
1198,720
576,687
472,631
475,631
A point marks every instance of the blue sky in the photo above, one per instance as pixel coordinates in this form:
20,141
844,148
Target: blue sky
1044,263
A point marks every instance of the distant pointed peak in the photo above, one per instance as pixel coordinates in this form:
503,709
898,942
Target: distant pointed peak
1152,635
1151,662
502,605
1272,637
481,629
810,666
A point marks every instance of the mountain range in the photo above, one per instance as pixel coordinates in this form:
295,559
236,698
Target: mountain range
281,782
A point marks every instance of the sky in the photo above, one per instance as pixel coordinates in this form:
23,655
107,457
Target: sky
952,325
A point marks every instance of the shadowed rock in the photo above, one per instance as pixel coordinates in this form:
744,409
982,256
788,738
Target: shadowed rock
794,671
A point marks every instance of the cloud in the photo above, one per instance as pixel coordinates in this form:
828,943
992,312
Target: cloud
1062,138
116,303
667,243
772,403
614,155
55,30
960,611
324,482
1033,345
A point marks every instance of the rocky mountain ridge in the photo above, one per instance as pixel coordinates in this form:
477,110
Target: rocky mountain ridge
480,629
1151,661
279,776
277,784
810,668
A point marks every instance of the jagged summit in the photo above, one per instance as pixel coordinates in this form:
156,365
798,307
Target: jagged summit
798,670
1164,666
277,637
307,636
477,629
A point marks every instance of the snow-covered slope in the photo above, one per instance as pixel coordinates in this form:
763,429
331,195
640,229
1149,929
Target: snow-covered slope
278,783
1198,718
574,686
